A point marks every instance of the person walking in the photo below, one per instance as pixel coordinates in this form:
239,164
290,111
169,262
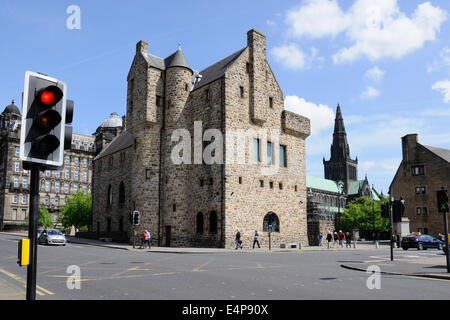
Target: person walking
341,239
335,238
143,243
238,240
147,238
320,240
329,239
348,243
256,239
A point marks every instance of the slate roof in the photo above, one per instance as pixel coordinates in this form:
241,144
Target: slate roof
122,141
441,152
217,70
176,59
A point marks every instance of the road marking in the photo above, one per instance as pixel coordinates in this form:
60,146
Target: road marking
19,279
203,265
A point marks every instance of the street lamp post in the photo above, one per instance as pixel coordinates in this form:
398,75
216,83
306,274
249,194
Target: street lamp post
340,190
373,215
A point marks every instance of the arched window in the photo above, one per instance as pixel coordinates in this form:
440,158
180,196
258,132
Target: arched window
199,222
213,222
109,196
271,219
122,193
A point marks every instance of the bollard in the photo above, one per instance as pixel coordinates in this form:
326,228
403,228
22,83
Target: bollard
354,244
299,246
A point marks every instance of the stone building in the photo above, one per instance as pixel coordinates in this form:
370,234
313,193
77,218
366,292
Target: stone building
423,171
55,185
178,160
327,198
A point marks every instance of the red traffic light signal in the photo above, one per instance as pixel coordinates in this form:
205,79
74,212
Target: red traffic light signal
49,96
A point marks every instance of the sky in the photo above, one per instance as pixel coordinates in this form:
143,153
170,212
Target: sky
386,62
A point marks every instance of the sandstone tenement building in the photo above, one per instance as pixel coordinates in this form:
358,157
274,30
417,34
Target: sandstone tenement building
55,185
423,171
202,201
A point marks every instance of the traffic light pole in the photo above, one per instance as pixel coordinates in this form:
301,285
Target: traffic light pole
446,241
32,233
391,232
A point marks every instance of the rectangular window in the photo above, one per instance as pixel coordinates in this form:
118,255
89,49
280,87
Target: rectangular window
158,101
271,102
25,183
15,198
247,67
67,159
16,166
417,170
66,187
57,186
47,173
75,175
424,211
16,182
240,180
24,199
283,162
261,183
85,146
271,184
256,150
47,186
147,173
419,211
76,161
58,173
207,95
241,92
75,188
17,151
85,162
67,173
280,185
269,153
85,176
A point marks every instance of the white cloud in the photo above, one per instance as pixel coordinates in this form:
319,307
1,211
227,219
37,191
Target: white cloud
375,74
443,61
292,57
370,93
444,88
321,115
317,18
375,29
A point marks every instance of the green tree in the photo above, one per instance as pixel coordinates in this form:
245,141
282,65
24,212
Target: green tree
45,218
77,212
361,213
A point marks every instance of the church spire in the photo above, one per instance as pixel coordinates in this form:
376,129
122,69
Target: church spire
339,121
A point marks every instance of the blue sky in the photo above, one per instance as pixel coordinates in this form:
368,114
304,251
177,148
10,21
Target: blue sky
386,62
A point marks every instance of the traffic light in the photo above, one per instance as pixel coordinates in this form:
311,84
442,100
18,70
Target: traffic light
442,198
45,114
385,210
136,218
23,258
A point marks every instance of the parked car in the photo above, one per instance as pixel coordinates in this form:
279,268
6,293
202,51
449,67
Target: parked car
421,242
52,236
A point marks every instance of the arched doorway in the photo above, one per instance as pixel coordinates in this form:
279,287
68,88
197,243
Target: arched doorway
271,219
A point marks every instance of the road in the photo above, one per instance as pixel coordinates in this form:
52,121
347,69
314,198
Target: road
114,274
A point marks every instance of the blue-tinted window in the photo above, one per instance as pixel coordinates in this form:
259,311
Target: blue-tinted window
269,153
283,162
256,154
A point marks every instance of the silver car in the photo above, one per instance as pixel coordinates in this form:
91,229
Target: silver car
52,236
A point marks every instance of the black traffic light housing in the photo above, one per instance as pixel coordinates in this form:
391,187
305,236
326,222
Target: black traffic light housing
136,218
442,199
46,111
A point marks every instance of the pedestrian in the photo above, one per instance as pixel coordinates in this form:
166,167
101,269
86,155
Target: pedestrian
320,239
341,238
348,243
256,239
329,239
377,241
238,240
441,237
147,238
143,243
336,238
394,240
